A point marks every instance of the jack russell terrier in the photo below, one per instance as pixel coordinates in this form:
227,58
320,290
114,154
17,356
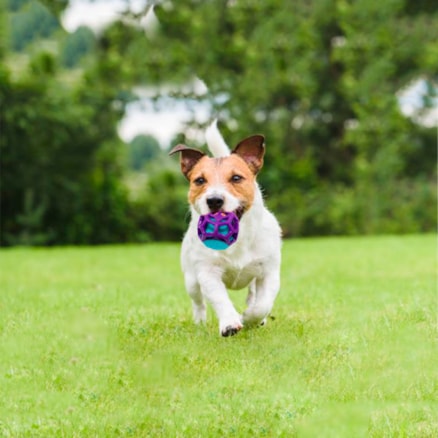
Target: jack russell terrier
227,183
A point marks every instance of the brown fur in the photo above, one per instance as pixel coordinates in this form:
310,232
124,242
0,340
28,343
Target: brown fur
220,171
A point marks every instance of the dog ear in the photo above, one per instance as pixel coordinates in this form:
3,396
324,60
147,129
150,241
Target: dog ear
188,158
252,150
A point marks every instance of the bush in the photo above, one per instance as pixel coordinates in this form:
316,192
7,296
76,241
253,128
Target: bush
405,206
162,212
60,176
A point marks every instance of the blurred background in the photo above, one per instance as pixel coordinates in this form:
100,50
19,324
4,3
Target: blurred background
93,95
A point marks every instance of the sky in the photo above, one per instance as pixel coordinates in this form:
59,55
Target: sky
142,118
95,14
410,100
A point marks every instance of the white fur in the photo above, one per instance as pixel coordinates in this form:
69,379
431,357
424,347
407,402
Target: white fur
253,261
215,142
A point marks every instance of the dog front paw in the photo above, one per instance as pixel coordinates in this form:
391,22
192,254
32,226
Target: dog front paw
253,318
230,329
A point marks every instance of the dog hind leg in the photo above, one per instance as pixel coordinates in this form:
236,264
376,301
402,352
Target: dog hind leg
261,301
250,299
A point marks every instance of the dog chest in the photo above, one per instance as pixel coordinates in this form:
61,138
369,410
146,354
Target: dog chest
237,278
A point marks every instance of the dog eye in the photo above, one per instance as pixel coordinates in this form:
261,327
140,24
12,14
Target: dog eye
236,178
200,181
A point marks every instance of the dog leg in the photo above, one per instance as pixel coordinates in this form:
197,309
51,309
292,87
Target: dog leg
230,322
198,303
250,299
260,306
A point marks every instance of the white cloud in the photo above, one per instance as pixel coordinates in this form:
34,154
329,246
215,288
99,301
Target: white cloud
98,13
411,104
162,125
142,118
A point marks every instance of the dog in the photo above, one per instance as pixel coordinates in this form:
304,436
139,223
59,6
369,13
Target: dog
226,182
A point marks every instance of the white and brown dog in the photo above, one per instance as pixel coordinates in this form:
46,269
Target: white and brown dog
227,182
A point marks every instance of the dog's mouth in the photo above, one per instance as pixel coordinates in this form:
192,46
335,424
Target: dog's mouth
239,212
216,204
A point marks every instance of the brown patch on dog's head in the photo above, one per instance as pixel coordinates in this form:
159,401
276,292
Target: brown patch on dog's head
252,150
188,158
231,177
231,173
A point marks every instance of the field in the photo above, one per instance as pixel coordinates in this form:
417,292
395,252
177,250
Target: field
99,342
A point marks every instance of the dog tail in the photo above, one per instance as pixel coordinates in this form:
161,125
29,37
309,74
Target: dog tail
215,141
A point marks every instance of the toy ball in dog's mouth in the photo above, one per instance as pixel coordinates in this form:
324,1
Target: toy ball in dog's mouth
218,230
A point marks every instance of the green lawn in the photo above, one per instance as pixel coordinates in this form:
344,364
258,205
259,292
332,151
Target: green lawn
99,342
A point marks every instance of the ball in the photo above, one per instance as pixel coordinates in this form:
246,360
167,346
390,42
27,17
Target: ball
218,230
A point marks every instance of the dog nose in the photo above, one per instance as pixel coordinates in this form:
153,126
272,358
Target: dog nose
215,203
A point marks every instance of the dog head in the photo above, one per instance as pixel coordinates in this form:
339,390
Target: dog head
226,183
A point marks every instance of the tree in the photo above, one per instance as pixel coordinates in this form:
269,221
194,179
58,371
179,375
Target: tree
162,210
143,148
320,79
32,21
60,174
15,5
77,45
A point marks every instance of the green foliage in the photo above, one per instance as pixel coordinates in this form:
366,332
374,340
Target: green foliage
320,79
15,5
161,212
76,45
364,209
3,31
99,342
143,149
30,22
43,65
30,223
69,167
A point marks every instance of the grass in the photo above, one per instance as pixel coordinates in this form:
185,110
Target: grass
98,342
